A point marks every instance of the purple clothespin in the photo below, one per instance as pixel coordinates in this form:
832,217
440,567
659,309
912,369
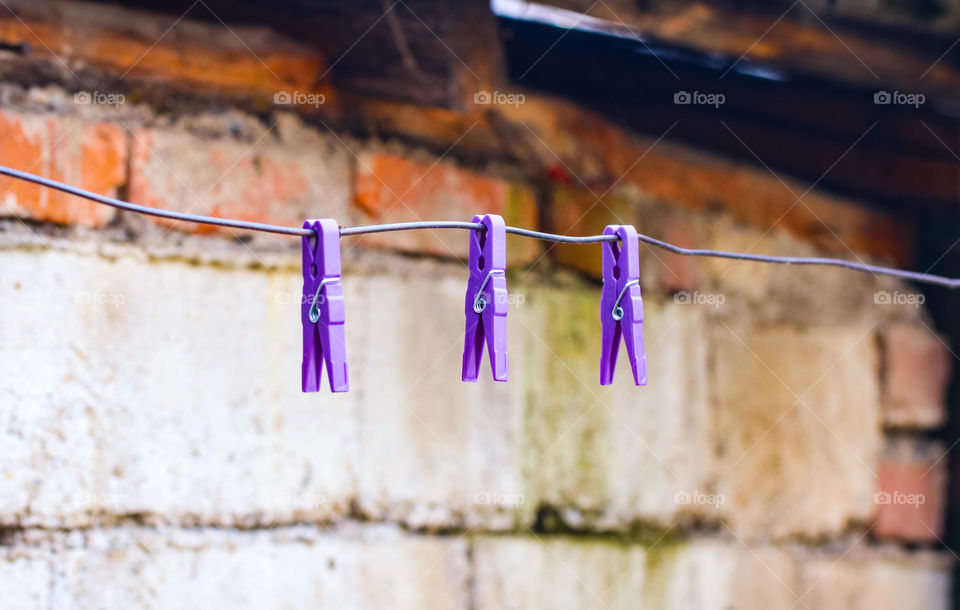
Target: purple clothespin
321,309
621,307
486,301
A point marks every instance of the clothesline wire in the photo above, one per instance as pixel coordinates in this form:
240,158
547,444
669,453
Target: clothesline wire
926,278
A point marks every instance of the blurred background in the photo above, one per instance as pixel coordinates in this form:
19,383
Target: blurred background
793,448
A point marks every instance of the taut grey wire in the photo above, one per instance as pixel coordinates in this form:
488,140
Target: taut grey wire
142,209
926,278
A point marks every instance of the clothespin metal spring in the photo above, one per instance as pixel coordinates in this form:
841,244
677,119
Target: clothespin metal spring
617,312
480,303
315,306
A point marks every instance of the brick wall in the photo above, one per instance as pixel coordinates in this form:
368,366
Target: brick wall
157,451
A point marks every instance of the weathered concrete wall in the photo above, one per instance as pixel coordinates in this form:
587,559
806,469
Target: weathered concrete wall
157,452
155,438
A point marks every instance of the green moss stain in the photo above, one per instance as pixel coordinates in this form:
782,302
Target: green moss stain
659,571
564,426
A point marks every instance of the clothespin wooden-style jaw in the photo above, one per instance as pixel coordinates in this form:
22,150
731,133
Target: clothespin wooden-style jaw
485,306
322,310
621,306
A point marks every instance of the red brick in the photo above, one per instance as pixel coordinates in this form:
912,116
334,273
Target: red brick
226,178
910,497
678,272
89,155
576,211
917,367
394,189
698,181
546,131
